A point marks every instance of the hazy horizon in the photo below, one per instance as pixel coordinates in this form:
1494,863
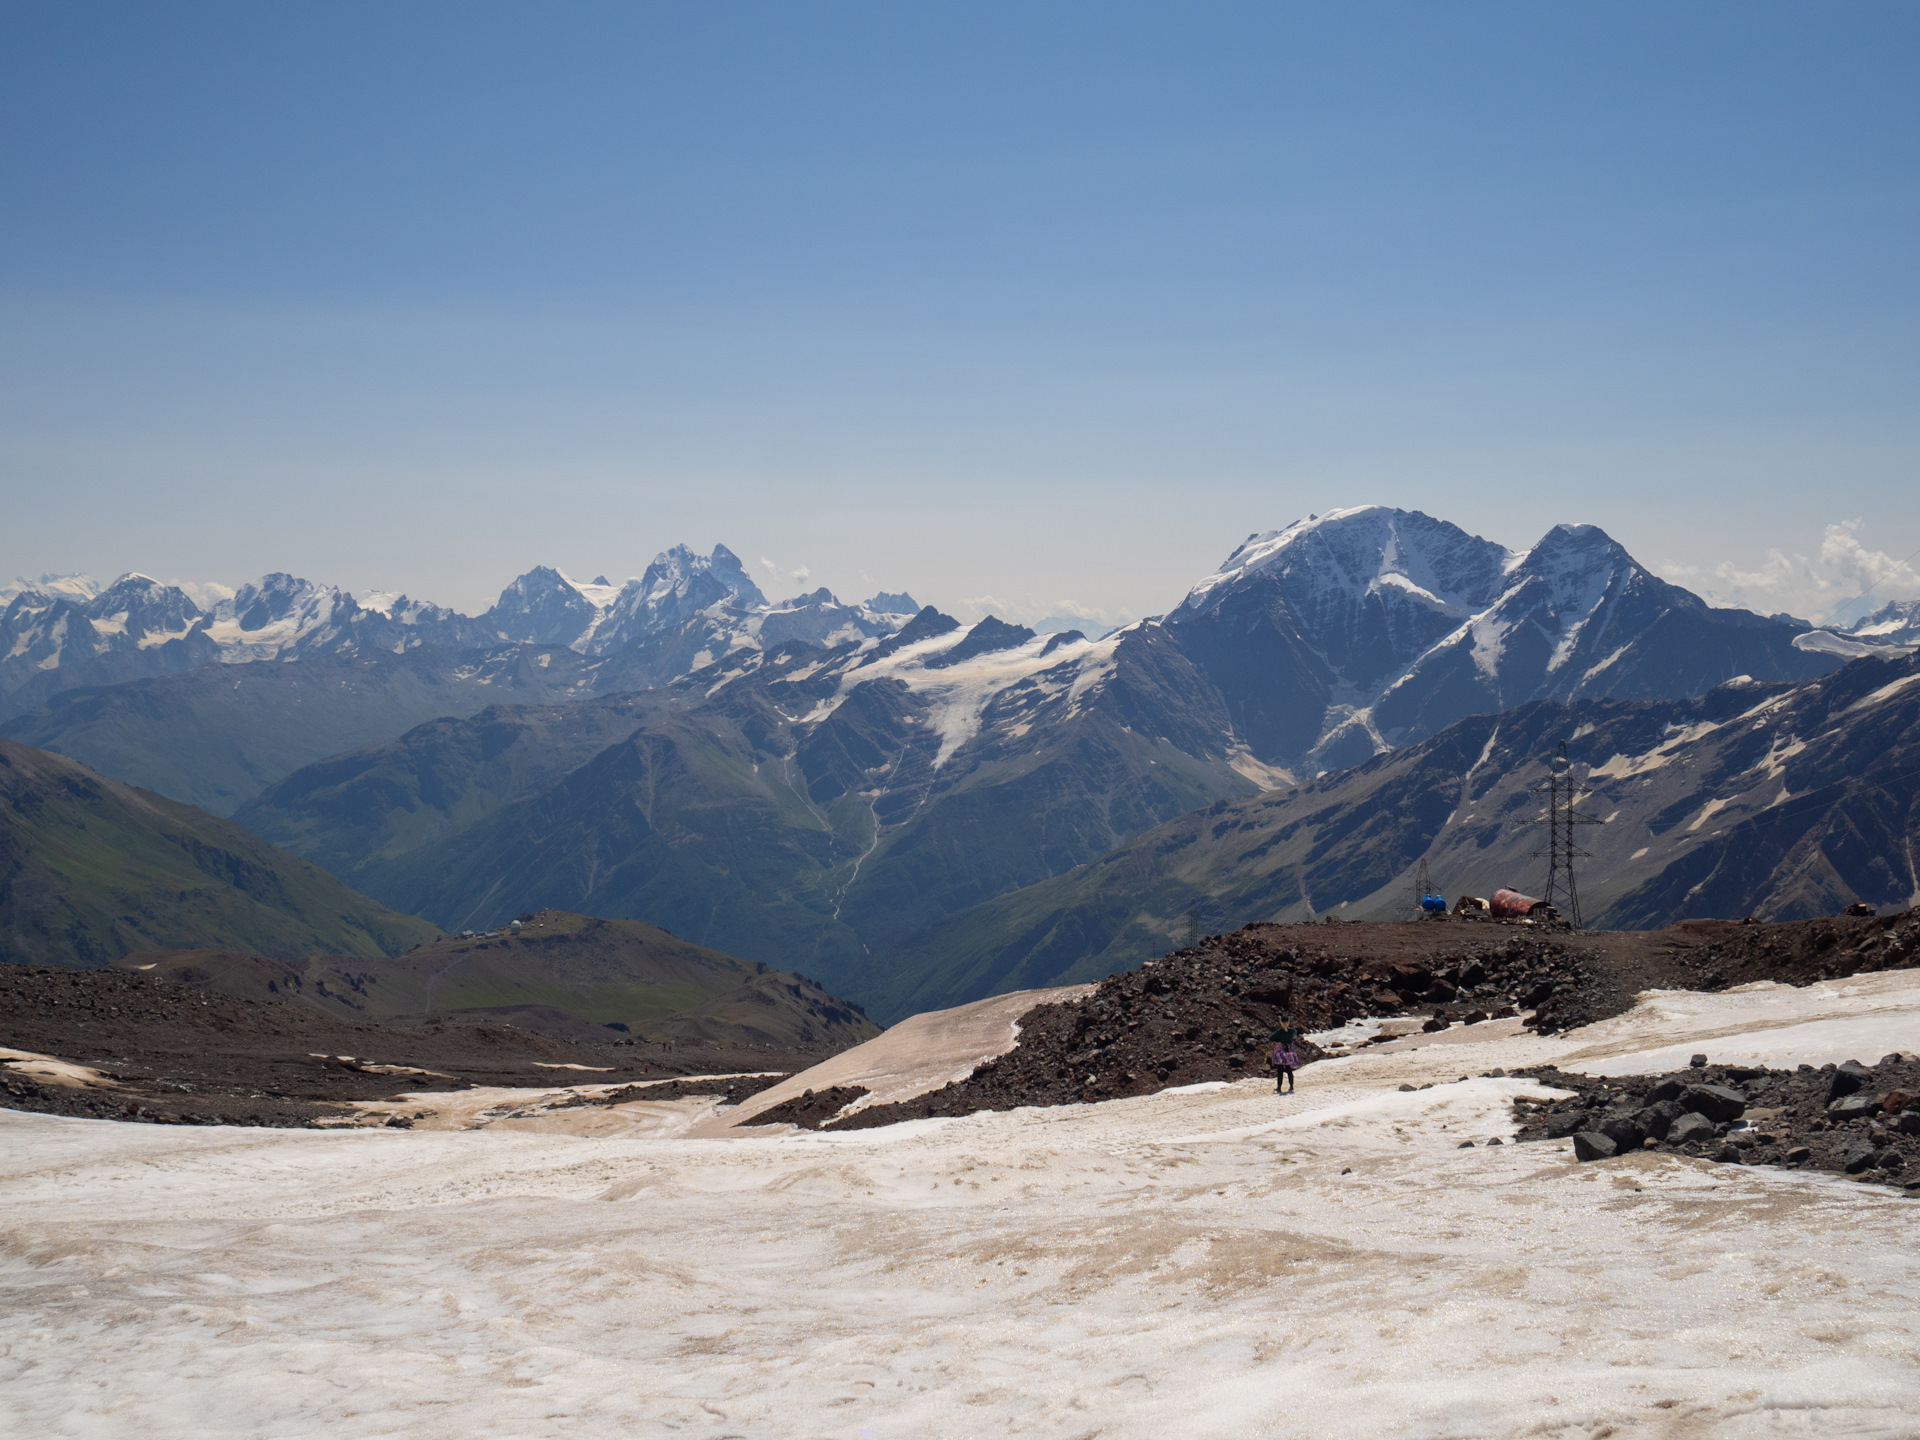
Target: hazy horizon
1037,310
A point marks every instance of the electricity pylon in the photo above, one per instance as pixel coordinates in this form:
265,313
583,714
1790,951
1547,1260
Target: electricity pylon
1561,790
1422,887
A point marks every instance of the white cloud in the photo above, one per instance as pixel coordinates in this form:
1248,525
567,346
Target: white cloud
772,569
204,593
802,573
1822,587
1039,613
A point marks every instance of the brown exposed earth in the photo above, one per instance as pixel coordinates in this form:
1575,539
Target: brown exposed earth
172,1053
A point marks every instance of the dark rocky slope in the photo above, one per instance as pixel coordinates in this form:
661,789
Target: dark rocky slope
1205,1013
1851,1119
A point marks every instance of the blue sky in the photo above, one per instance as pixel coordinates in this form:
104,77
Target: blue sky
1014,306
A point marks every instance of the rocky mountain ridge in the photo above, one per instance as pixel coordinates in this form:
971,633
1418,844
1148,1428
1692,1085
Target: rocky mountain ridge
1351,633
1779,800
63,632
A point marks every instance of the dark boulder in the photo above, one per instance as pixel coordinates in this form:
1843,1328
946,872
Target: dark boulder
1848,1079
1592,1145
1623,1130
1857,1158
1690,1127
1852,1107
1658,1118
1718,1103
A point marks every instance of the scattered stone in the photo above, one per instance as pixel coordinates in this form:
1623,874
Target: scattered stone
1719,1103
1592,1145
1698,1062
1690,1128
1657,1119
1408,1089
1496,1140
1857,1158
1851,1107
809,1110
1464,1145
1848,1078
1623,1130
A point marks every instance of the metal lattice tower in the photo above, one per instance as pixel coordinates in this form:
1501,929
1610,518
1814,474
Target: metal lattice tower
1422,887
1561,790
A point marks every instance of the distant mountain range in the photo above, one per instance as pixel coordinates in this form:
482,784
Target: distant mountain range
62,632
820,786
1776,800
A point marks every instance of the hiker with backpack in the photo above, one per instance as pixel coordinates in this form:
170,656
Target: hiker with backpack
1284,1057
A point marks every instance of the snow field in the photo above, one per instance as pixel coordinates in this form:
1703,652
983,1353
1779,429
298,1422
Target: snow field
1213,1261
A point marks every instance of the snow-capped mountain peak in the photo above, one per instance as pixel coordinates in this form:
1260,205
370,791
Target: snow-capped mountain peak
1893,629
1897,622
50,583
680,583
541,607
1356,631
1337,558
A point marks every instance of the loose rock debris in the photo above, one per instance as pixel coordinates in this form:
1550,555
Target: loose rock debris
1852,1119
1205,1013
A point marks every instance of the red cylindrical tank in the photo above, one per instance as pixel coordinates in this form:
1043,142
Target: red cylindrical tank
1512,905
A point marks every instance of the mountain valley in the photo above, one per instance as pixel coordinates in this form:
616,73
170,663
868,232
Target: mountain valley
918,810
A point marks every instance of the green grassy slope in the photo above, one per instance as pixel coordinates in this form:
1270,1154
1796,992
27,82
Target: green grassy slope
91,869
355,812
216,736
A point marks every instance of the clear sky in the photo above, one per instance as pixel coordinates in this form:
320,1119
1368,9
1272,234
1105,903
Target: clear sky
1016,306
